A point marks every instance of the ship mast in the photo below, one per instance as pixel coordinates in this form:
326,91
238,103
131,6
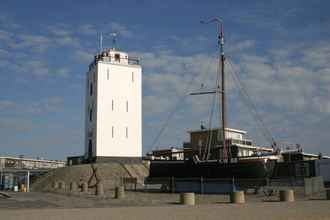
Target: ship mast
221,74
223,94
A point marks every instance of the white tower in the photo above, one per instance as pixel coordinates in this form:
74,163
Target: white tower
113,117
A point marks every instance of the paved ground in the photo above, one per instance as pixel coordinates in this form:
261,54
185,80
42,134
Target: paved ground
141,205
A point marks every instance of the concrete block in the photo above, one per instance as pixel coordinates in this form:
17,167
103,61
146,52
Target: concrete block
84,187
187,198
119,192
99,189
237,197
73,187
287,195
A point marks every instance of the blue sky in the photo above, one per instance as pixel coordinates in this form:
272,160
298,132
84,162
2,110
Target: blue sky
280,49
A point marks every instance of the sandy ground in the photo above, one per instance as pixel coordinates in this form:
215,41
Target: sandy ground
142,205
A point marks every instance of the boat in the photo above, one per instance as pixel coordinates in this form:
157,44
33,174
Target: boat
216,160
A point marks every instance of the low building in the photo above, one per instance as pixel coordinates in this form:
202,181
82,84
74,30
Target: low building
29,163
166,154
239,146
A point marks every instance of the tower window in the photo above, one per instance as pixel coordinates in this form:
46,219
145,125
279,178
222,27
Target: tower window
112,132
91,114
117,57
132,76
90,149
91,89
108,73
112,105
126,106
126,132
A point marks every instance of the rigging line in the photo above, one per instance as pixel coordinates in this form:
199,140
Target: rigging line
210,133
176,107
253,109
207,149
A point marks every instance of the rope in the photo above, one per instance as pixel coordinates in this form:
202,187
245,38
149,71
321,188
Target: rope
252,107
180,102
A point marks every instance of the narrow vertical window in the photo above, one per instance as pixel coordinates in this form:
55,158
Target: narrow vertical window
91,114
91,89
126,106
108,74
112,104
132,76
112,132
126,132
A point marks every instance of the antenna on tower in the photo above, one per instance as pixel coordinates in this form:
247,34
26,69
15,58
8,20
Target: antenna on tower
101,42
114,40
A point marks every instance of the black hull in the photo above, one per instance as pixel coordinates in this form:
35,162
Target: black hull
189,169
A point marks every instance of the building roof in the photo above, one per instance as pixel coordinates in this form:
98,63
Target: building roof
214,129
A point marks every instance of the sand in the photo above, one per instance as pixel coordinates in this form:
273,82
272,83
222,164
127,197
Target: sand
159,206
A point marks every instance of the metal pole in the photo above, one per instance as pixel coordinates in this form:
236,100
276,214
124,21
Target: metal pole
28,181
223,97
1,177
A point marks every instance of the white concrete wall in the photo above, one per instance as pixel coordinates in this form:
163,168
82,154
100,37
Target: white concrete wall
116,83
113,94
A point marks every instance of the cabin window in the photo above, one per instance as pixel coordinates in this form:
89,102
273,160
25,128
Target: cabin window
126,132
112,132
117,57
126,106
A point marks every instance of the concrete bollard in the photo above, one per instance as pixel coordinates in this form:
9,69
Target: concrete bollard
328,194
287,195
237,197
55,185
84,187
99,189
187,198
73,187
120,192
61,185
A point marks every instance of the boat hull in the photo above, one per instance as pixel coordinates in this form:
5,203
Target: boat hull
214,169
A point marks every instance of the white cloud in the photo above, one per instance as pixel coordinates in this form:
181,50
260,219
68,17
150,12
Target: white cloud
121,29
87,29
63,72
5,36
50,104
37,43
4,53
83,56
